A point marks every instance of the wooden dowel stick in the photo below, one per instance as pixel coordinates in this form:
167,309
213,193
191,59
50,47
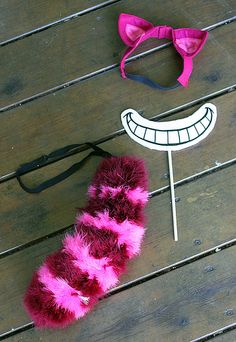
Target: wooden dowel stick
172,191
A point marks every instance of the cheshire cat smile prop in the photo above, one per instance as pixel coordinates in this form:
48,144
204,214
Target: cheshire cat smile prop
108,232
170,136
188,42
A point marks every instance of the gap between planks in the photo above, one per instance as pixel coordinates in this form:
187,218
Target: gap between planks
209,336
151,194
215,333
146,278
80,14
103,70
120,132
60,21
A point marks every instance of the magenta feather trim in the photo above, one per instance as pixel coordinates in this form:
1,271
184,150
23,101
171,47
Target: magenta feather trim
109,231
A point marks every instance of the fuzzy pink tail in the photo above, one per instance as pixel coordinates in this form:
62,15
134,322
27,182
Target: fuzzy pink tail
109,231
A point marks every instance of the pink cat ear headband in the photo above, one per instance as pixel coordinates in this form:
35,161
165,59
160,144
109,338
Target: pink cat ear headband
187,41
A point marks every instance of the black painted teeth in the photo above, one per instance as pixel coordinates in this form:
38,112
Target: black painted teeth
170,137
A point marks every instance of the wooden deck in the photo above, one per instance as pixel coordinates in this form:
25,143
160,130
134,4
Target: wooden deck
60,85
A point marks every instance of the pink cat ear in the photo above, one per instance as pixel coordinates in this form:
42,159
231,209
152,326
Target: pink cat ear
131,28
189,41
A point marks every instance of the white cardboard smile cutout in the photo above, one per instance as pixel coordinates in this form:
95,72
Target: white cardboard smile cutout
170,136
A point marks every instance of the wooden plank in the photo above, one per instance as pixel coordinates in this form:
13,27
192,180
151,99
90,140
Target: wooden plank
22,212
203,224
229,336
86,44
67,116
178,306
18,17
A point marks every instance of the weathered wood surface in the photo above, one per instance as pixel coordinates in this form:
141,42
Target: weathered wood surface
67,116
183,304
33,216
206,218
91,42
178,306
18,17
229,336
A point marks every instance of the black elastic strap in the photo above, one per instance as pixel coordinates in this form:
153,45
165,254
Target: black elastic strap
97,151
150,83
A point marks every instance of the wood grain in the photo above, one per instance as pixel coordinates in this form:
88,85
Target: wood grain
83,45
69,116
206,218
181,305
18,17
174,307
33,216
